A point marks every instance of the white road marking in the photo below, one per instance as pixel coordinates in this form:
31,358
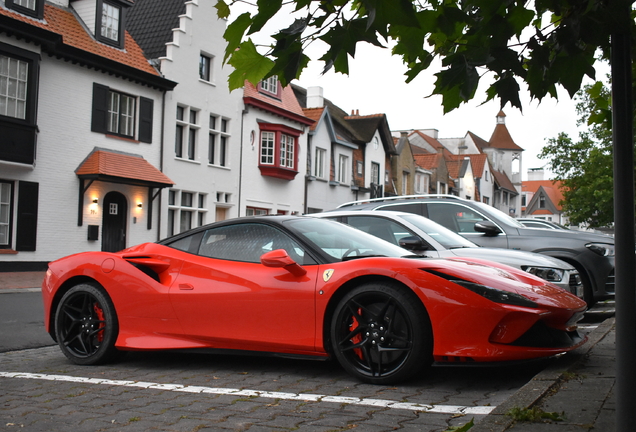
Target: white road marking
382,403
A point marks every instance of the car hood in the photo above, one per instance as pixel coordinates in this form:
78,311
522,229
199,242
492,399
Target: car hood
578,235
509,257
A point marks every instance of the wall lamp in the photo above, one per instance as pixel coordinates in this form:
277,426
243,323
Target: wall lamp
94,200
139,205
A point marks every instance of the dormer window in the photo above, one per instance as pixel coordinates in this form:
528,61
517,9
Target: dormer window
270,86
109,25
33,8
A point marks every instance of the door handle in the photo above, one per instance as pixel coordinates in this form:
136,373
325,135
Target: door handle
185,286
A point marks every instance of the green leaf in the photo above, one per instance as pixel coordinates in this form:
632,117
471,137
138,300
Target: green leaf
266,10
248,65
222,9
234,34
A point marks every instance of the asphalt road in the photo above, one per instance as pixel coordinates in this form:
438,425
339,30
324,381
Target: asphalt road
22,322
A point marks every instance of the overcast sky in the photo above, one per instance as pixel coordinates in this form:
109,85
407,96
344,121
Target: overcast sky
375,85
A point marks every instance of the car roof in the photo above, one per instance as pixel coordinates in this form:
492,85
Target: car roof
375,202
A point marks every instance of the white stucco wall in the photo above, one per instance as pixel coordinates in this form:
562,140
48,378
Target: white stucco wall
63,142
201,32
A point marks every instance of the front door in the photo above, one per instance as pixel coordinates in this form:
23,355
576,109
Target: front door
114,217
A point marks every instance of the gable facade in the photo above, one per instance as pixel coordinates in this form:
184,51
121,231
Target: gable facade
85,96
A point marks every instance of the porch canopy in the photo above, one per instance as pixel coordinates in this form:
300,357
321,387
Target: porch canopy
118,167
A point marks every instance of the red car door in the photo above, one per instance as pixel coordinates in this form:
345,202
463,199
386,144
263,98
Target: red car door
233,304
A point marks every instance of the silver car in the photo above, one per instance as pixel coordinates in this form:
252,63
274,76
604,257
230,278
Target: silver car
427,238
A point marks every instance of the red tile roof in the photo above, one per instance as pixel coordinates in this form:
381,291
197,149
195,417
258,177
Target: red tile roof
432,141
287,106
501,137
122,166
314,114
552,189
63,23
501,179
427,161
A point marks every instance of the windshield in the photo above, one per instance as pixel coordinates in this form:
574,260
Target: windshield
442,235
342,241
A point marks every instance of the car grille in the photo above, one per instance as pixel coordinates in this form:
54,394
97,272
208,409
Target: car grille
610,285
540,335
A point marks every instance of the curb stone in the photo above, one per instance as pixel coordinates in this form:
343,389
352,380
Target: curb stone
546,380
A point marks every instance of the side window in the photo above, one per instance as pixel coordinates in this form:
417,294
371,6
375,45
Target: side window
456,218
382,228
247,243
416,208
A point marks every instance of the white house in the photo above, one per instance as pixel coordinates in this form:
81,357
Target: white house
274,150
80,146
349,155
202,118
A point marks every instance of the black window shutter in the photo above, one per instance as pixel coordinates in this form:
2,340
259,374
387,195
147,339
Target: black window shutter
99,118
145,119
27,220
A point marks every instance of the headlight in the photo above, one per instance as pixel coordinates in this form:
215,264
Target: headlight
603,249
547,273
496,295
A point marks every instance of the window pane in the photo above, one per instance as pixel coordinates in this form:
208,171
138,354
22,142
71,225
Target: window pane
186,199
178,145
191,143
212,148
204,67
110,22
267,148
13,87
180,113
222,151
113,112
212,122
186,221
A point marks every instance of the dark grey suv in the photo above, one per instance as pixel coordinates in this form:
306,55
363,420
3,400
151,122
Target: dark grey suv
591,254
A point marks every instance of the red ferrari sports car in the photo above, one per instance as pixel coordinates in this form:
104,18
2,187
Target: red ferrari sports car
303,286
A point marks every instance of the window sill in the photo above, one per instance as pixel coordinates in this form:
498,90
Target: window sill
223,167
277,172
122,138
8,252
187,160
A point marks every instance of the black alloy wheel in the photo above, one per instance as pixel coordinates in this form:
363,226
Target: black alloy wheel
381,334
86,325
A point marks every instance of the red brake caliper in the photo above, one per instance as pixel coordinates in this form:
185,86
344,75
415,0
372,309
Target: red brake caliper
357,338
100,315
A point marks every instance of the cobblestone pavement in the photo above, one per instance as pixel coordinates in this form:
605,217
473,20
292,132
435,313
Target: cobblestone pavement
41,391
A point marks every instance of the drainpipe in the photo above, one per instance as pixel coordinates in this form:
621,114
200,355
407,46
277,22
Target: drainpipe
240,185
161,144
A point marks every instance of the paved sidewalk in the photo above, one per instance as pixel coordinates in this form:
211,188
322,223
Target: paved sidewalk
579,387
30,280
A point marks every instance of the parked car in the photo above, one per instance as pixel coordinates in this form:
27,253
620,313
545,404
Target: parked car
428,238
304,286
540,223
591,254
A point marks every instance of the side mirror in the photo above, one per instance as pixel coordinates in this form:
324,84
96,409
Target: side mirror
488,228
413,243
280,259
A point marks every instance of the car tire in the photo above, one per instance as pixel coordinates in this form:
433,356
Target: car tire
381,334
86,325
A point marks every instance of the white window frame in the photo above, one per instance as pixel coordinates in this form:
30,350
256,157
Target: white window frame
110,22
186,135
270,85
319,163
268,146
287,148
121,113
6,209
205,67
343,162
14,80
218,142
184,215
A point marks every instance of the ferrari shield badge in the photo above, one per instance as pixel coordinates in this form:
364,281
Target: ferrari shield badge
327,275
